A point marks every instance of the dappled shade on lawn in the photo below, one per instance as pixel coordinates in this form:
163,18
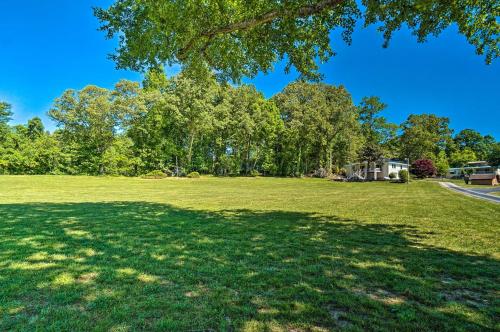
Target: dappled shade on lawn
138,265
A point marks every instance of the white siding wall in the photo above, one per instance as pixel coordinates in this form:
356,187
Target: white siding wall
395,168
385,170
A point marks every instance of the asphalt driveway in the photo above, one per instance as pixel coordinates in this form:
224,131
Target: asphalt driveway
482,193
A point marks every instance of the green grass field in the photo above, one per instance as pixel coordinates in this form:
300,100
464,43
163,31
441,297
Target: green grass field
251,254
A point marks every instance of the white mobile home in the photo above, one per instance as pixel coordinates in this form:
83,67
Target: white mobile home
377,171
475,167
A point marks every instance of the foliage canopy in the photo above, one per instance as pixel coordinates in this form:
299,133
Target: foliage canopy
241,38
180,125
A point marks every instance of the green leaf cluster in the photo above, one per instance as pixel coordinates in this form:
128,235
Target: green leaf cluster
238,39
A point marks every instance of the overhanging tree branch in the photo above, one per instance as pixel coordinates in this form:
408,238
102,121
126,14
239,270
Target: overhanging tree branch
249,24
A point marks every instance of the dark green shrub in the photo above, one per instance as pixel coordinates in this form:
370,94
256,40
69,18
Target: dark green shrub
404,176
392,175
193,175
155,175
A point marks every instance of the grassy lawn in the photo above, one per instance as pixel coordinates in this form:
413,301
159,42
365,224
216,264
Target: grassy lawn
251,254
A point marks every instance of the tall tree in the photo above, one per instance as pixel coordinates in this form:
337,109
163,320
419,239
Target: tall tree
194,103
442,165
473,140
494,156
240,38
119,159
253,125
5,117
154,127
89,121
320,127
5,112
462,157
377,132
35,128
424,136
175,118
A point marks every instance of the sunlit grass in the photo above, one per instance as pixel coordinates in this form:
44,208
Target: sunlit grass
253,254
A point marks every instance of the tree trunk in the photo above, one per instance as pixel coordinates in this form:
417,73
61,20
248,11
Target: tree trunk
299,160
247,162
330,160
190,151
257,156
100,151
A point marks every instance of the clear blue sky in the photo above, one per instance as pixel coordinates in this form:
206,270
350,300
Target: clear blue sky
49,46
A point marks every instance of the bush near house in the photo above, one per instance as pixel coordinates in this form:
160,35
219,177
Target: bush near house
404,176
392,176
423,168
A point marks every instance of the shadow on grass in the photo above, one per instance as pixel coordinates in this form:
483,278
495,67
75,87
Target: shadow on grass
132,265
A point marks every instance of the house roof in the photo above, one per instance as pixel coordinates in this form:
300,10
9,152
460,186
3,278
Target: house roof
474,167
479,162
489,176
386,161
397,162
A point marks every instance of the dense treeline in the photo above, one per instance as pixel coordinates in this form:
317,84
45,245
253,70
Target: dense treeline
179,124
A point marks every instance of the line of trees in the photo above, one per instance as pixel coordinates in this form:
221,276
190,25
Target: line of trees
201,125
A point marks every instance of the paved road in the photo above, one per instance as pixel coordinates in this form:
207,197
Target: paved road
474,192
485,190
